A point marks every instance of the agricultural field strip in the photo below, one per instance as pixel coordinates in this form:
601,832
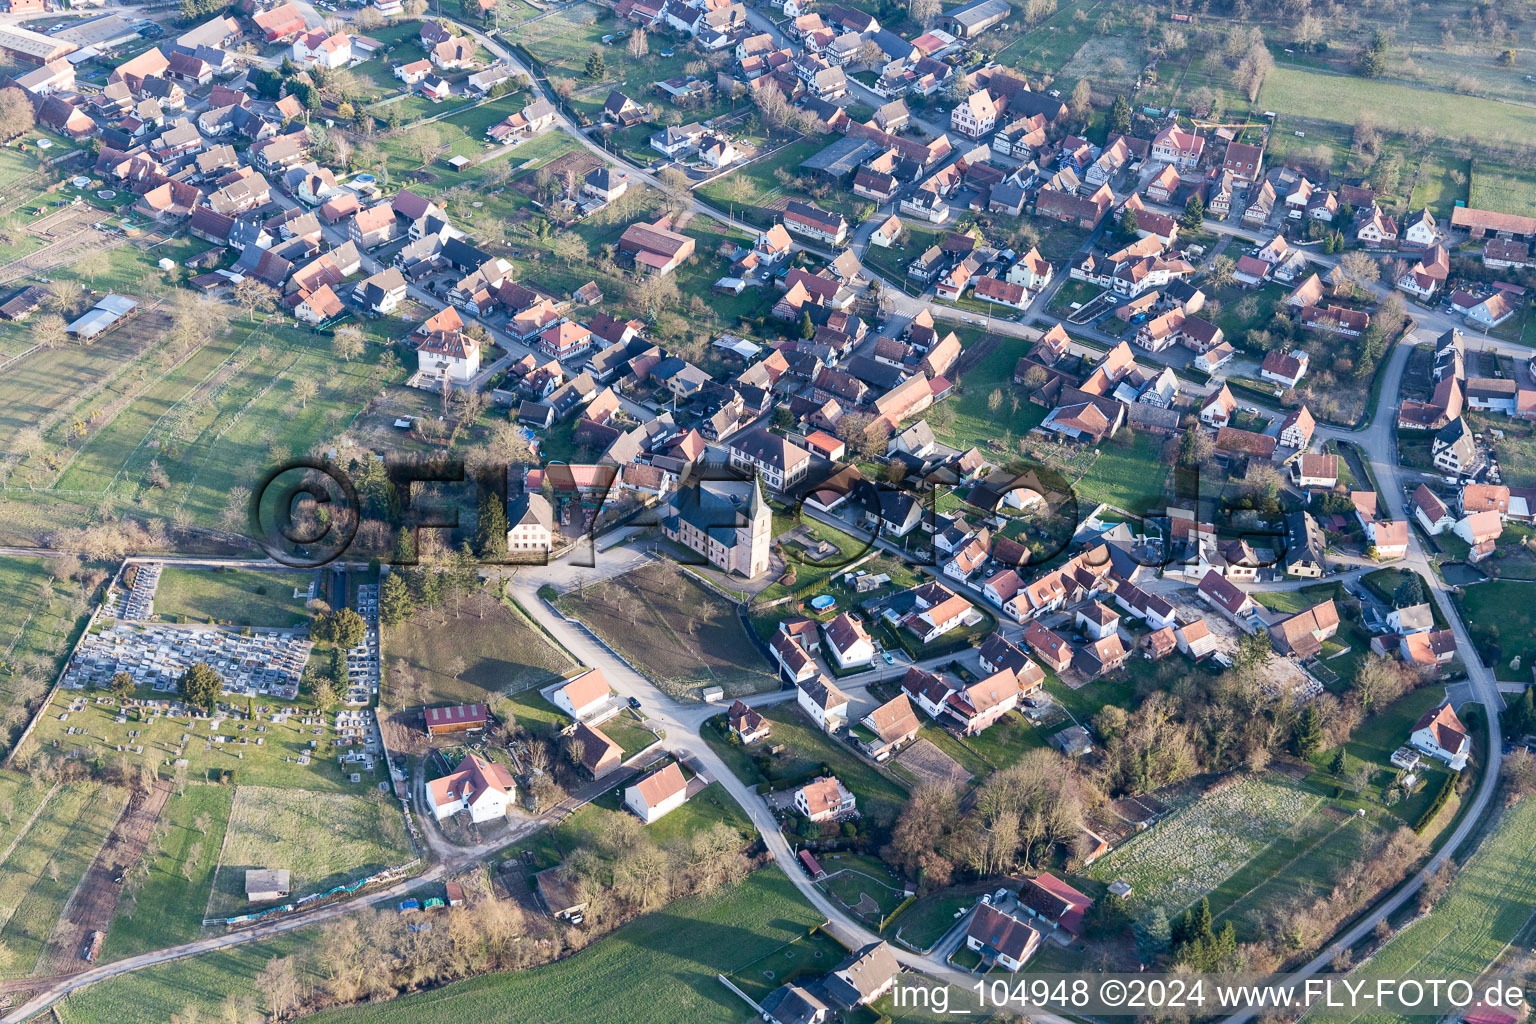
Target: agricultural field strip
230,423
1286,867
1472,872
131,399
90,391
42,804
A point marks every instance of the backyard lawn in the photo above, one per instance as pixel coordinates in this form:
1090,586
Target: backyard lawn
926,921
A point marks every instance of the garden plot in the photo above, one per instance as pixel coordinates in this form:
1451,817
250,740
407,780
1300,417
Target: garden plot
1191,853
322,839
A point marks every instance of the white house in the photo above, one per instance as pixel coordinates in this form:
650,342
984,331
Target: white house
1003,938
657,794
1096,620
1441,735
823,798
824,703
849,643
483,788
1431,512
322,49
450,354
1416,618
584,696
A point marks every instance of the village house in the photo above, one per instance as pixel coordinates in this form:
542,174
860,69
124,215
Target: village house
658,794
1440,734
483,788
824,798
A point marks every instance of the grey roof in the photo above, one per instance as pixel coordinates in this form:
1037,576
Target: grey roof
530,507
978,11
843,156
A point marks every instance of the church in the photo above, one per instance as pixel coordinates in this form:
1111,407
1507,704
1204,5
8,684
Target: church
727,522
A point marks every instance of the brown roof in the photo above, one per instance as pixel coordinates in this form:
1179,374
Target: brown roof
822,794
1446,728
659,786
894,719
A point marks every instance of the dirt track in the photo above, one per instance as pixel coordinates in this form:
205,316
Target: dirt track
95,900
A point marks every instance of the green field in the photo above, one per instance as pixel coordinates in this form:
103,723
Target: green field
669,627
500,650
38,620
45,863
1501,190
239,597
1129,474
324,839
1307,93
1193,851
1502,614
166,907
1486,907
219,421
987,367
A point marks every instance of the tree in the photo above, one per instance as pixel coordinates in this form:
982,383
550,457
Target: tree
347,343
1081,104
807,327
424,141
1308,735
1195,447
1119,121
49,331
1128,224
16,116
1336,763
1359,269
325,695
1194,213
1372,61
253,296
638,45
92,264
348,629
201,686
491,526
303,390
121,686
923,11
597,67
1252,650
394,599
1409,592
